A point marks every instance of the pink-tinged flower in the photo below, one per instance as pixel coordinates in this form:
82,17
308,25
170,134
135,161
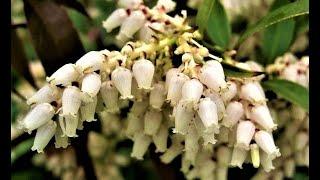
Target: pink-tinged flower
234,112
266,143
245,132
252,92
213,77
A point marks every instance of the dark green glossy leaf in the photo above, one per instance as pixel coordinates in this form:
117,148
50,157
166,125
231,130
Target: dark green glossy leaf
218,28
290,91
21,149
54,37
204,11
298,8
232,71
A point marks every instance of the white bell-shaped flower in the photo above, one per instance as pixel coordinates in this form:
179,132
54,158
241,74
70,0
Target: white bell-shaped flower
38,116
140,145
252,92
219,103
88,110
266,162
170,74
266,143
213,77
208,136
239,155
91,84
110,96
175,87
245,132
208,114
261,115
152,122
90,62
234,113
157,95
143,71
61,141
160,139
183,117
46,94
192,91
129,4
69,124
71,100
43,136
122,79
115,19
230,92
64,76
131,25
174,150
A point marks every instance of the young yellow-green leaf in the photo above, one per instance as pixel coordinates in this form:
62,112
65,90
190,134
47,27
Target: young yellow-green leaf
218,28
298,8
204,11
231,70
278,37
293,92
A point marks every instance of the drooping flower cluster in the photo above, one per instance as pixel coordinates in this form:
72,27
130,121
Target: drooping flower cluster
213,121
294,140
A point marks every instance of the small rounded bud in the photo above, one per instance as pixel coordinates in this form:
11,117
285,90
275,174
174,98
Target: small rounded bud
160,139
110,96
212,77
38,116
122,79
245,132
71,100
208,114
261,115
91,84
90,62
175,87
64,75
143,71
140,145
43,136
88,110
238,157
157,95
252,92
46,94
230,92
152,122
192,91
115,19
234,113
266,143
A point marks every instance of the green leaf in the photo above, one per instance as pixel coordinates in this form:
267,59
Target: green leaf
204,11
231,70
278,37
298,8
293,92
300,176
21,149
218,28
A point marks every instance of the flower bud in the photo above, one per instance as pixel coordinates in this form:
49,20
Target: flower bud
170,74
230,92
175,87
38,116
131,24
152,122
88,110
289,167
60,139
115,19
301,141
191,91
140,145
245,132
219,103
160,139
174,150
43,136
167,5
110,96
64,75
183,117
238,157
90,62
46,94
208,114
129,4
234,113
252,92
122,79
191,144
255,156
157,95
71,100
91,84
143,71
266,161
261,115
223,156
266,143
212,77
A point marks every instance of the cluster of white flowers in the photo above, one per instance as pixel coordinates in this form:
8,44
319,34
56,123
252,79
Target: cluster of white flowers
294,140
193,110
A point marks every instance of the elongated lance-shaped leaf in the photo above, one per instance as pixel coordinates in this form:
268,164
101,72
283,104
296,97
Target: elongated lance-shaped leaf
233,71
293,92
298,8
21,149
204,11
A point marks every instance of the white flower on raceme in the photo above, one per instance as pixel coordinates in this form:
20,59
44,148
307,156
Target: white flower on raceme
208,114
141,143
87,110
234,112
160,139
245,132
157,95
253,92
143,71
191,91
90,62
64,76
238,157
46,94
152,122
175,87
122,79
129,4
115,19
43,136
71,100
261,115
266,143
91,84
110,96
